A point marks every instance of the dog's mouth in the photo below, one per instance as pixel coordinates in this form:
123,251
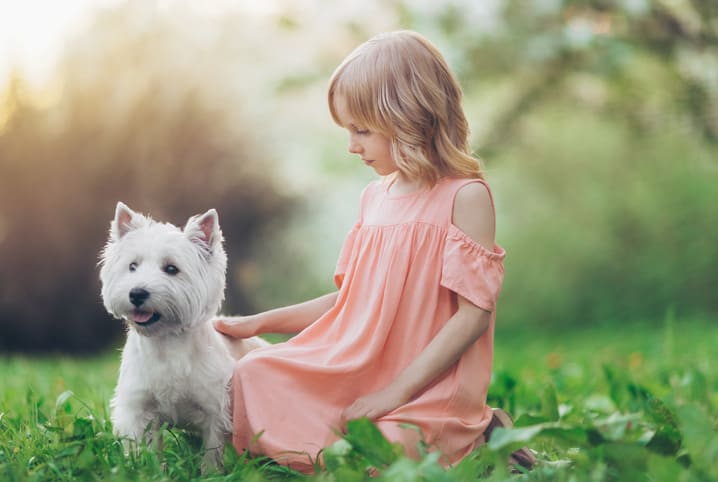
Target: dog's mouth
144,318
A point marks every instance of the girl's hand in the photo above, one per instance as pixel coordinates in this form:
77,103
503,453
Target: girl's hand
373,406
235,326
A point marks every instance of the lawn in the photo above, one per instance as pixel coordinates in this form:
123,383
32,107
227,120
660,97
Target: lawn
634,402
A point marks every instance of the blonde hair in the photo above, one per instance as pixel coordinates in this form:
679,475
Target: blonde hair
398,84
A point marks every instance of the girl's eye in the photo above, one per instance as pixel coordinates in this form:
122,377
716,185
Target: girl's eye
171,270
133,266
362,132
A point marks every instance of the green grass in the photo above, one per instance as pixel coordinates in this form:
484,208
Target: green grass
635,402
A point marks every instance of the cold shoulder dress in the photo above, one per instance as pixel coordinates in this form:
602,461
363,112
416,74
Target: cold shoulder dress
398,273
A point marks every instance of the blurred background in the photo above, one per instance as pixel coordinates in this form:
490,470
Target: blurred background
597,122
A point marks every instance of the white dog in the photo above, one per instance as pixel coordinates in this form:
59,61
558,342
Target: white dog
167,284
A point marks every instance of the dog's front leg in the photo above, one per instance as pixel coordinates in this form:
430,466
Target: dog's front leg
213,438
133,425
153,435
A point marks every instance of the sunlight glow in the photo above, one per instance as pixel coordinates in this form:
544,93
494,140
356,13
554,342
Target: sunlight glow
33,32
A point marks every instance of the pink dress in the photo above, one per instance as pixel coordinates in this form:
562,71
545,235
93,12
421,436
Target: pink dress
398,274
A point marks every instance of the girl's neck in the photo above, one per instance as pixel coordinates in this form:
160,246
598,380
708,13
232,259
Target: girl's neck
401,185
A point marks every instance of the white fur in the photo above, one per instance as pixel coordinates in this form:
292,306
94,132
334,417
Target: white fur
176,370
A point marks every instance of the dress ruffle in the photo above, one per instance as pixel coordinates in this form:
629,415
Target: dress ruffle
471,270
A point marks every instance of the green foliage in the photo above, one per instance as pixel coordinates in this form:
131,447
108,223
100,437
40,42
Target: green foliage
367,442
635,409
645,62
614,228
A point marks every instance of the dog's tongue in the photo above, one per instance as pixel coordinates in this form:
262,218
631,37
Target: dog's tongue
140,316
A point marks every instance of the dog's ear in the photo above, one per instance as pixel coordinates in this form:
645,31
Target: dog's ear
204,231
125,221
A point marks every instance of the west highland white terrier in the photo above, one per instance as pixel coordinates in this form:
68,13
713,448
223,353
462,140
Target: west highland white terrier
167,284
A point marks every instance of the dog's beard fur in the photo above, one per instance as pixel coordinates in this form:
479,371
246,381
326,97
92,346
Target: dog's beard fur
175,368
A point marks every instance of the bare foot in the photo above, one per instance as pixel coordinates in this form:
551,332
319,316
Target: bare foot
524,456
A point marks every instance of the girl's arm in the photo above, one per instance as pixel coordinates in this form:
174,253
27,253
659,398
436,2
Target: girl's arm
459,333
289,319
473,214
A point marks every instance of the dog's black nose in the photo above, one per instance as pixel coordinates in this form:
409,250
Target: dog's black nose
138,296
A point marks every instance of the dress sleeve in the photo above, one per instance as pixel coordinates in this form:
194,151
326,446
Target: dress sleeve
471,270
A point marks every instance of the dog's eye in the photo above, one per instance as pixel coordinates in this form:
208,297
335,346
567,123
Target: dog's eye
133,266
171,270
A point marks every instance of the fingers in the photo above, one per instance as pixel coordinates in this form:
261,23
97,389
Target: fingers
359,410
220,325
226,326
350,413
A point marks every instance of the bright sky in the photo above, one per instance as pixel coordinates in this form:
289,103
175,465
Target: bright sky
32,32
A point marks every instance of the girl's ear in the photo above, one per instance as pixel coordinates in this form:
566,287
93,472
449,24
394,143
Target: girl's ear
203,230
125,221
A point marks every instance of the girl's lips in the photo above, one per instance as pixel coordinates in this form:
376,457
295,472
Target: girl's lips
367,161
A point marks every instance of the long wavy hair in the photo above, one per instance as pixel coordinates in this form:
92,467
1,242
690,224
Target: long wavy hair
398,84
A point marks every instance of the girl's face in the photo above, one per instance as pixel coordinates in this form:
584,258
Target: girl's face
373,148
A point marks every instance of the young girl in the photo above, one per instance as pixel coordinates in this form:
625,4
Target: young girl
408,336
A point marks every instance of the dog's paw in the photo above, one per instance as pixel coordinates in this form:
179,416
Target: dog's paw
212,461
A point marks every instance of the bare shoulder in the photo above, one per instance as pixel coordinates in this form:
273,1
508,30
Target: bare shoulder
474,213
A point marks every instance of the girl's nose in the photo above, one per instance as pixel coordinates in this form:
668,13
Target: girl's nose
354,147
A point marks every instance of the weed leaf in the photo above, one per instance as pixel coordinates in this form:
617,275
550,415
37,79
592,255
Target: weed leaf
368,441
